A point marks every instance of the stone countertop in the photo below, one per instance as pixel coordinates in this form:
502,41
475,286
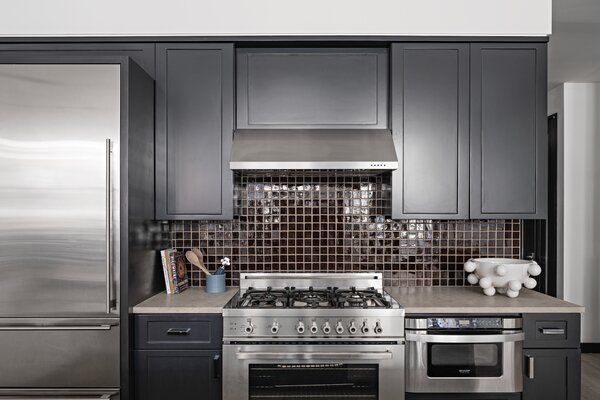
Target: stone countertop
471,300
195,300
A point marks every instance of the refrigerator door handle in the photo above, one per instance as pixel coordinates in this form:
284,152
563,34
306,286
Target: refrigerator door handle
57,328
63,325
108,224
46,397
67,394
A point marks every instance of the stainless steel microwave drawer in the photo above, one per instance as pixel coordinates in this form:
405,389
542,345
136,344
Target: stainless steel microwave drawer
551,331
183,331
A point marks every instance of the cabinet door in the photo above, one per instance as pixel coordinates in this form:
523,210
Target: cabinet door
181,375
312,88
508,131
194,130
552,374
430,124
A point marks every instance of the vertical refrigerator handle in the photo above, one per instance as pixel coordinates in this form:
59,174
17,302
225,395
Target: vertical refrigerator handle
108,223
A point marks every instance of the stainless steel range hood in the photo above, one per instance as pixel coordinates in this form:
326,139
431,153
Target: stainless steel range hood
311,149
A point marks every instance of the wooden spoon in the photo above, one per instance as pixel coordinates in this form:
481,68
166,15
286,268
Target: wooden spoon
193,258
200,254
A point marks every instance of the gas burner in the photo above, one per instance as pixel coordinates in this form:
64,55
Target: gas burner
310,298
353,298
269,298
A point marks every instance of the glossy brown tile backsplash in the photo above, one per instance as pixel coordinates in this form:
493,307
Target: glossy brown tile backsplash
337,223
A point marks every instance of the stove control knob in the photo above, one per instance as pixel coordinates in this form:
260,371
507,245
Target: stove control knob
378,330
364,328
249,328
352,328
339,329
275,328
300,327
314,328
326,328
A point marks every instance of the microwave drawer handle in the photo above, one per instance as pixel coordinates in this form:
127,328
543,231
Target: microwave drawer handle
179,331
552,331
499,338
260,355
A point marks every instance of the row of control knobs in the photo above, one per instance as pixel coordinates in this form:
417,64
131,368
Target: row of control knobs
326,328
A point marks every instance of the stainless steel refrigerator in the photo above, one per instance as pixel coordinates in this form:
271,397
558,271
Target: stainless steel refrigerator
60,147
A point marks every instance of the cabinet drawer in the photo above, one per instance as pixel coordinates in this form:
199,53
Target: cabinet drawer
178,332
551,330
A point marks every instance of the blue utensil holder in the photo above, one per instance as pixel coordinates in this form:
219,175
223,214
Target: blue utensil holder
215,283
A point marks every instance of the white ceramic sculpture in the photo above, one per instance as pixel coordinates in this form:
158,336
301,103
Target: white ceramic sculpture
505,275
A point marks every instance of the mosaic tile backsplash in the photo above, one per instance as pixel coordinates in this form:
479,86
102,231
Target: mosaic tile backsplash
318,223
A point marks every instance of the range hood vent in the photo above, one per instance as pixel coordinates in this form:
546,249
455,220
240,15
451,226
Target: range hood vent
313,149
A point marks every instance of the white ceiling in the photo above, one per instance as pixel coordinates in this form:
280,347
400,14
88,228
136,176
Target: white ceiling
574,48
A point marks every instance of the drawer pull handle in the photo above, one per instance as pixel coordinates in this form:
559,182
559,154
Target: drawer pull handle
553,331
530,367
179,331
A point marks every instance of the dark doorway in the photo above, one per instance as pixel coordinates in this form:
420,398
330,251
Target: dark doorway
539,236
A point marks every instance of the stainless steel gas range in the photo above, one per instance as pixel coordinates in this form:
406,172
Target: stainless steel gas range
318,336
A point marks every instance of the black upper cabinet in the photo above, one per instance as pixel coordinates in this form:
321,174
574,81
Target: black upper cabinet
508,131
312,88
430,124
194,130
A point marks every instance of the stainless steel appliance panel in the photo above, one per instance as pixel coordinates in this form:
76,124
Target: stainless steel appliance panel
419,380
59,196
69,353
389,359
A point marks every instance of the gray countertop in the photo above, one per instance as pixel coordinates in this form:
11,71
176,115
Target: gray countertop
471,300
195,300
415,300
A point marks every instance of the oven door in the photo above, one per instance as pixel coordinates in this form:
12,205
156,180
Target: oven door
319,371
464,363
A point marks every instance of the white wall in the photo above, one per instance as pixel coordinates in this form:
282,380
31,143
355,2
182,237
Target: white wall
275,17
581,201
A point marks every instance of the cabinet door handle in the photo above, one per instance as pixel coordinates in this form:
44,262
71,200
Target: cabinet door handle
552,331
217,366
530,367
179,331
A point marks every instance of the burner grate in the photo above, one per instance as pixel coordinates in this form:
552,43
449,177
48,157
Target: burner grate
313,298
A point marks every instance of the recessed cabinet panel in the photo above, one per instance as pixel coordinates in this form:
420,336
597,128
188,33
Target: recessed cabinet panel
312,88
552,374
508,131
430,105
194,130
178,374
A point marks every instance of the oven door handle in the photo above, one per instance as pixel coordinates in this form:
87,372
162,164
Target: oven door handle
432,338
261,355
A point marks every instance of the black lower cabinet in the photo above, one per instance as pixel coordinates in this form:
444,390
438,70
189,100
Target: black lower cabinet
178,374
552,374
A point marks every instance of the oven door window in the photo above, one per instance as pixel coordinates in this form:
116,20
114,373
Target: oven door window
314,381
464,360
